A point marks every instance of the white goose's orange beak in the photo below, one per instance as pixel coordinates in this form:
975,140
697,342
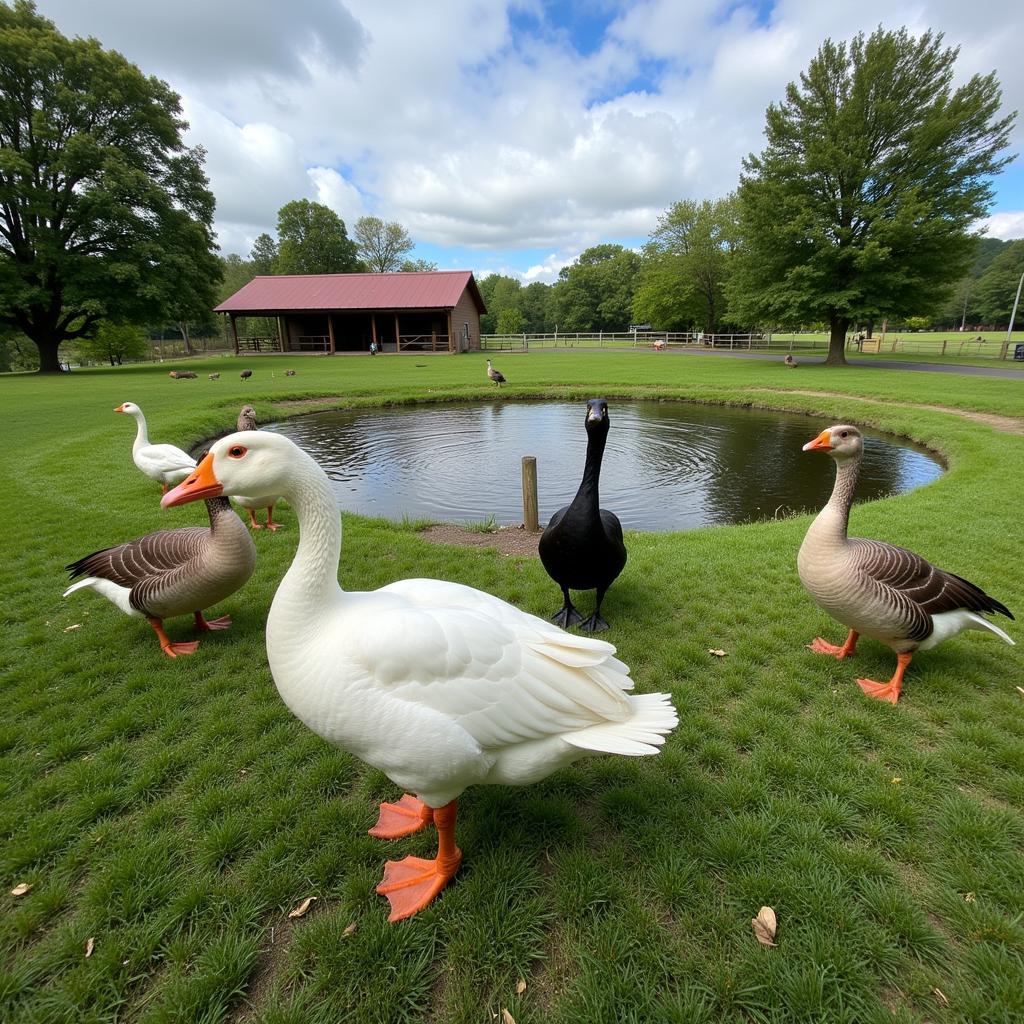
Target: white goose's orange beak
120,408
823,440
201,484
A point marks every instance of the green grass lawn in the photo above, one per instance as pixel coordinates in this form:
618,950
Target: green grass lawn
174,811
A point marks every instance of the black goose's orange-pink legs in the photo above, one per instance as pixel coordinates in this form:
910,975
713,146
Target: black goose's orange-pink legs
412,883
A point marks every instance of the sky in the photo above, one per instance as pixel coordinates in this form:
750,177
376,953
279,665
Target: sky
506,136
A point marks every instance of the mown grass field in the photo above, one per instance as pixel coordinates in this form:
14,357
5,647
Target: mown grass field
174,812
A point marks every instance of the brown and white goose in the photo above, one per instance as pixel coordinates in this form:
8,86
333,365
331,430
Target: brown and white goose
247,421
174,572
877,589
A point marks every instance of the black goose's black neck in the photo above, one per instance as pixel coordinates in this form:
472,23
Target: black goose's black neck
588,497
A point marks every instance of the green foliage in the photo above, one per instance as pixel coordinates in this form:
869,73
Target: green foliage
875,168
997,287
105,214
312,239
510,321
596,292
686,262
413,266
114,343
263,256
500,293
381,244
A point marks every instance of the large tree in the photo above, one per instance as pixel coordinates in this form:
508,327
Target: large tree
861,203
686,264
263,255
101,204
596,292
381,245
997,287
116,343
312,239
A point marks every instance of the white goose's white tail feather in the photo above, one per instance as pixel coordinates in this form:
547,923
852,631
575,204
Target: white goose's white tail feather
644,732
113,592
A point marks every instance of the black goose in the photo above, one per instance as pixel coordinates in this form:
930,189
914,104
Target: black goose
582,547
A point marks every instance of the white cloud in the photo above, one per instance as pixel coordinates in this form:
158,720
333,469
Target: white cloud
474,135
1005,225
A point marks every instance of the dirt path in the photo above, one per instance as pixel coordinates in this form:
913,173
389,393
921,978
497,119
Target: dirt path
511,541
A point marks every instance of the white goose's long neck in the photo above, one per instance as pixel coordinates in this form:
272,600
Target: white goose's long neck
312,581
141,433
833,520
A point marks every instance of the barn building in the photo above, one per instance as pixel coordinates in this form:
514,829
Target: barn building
432,311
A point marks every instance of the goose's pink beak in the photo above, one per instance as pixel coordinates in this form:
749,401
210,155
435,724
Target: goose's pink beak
823,440
201,484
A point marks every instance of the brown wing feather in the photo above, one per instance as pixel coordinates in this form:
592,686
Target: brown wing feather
919,588
145,564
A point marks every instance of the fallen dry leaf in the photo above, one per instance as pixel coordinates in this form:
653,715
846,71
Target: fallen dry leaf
896,780
716,651
301,909
941,996
506,1017
969,897
21,888
89,945
765,926
350,928
520,986
77,625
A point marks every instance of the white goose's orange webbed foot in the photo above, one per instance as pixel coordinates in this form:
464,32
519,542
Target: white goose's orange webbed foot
171,649
889,691
253,522
413,883
403,818
224,622
848,649
271,525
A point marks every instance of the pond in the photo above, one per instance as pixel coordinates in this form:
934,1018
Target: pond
667,466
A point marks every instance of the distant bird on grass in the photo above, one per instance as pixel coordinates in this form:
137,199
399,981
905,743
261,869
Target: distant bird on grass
289,373
789,360
182,375
214,376
245,374
247,421
496,375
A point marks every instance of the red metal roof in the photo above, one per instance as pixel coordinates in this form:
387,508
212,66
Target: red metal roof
430,289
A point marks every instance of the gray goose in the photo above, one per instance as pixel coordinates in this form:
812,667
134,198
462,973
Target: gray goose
173,572
496,375
878,589
247,421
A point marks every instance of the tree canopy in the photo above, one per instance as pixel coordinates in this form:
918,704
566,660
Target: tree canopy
102,207
381,245
686,263
263,256
596,292
312,239
997,286
875,168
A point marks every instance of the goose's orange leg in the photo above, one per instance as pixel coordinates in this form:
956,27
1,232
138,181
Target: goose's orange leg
889,691
207,624
253,522
271,525
820,646
412,883
172,650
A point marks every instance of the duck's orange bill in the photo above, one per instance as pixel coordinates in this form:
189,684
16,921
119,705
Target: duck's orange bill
201,484
823,440
120,408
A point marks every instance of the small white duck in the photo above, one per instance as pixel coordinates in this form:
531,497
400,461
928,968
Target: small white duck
436,684
163,463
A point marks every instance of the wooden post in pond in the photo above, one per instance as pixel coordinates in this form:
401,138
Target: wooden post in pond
530,520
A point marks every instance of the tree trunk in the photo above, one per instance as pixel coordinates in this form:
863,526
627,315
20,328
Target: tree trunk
837,342
183,327
49,359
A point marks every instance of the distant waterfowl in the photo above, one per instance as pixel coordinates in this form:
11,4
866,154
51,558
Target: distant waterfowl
173,572
496,375
877,589
789,360
245,374
582,546
436,684
163,463
214,376
289,373
247,421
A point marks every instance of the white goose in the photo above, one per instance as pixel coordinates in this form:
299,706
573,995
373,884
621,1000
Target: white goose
160,462
436,684
878,589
